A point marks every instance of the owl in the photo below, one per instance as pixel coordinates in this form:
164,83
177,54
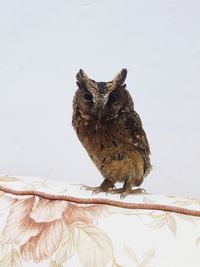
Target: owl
112,133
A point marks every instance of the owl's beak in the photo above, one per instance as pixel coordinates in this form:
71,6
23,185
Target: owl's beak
99,114
98,109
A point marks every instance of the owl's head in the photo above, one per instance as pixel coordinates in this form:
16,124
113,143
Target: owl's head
101,101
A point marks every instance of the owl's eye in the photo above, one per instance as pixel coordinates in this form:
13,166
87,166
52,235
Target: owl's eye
88,96
113,97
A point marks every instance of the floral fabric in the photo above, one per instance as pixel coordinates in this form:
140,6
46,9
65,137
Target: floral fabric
41,225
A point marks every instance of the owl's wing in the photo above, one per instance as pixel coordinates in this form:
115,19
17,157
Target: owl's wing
136,132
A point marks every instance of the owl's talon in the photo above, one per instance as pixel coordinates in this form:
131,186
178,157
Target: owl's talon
132,192
125,192
95,190
90,188
142,191
86,187
115,191
82,187
122,196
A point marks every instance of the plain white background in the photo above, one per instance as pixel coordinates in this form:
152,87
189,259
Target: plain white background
44,43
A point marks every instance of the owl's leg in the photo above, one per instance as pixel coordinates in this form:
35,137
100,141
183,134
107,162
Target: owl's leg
126,189
124,192
104,187
128,184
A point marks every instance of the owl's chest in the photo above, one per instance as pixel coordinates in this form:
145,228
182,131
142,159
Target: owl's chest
102,141
110,148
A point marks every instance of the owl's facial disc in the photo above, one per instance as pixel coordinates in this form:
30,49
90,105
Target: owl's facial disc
101,98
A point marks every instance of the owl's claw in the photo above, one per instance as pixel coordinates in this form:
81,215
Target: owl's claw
104,187
115,191
95,190
125,192
132,192
111,189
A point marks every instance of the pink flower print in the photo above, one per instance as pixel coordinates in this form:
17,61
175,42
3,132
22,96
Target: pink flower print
36,224
87,214
19,226
43,245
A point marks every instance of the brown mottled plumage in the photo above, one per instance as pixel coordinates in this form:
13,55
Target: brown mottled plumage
111,131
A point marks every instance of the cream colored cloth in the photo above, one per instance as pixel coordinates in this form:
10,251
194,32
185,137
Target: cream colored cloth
50,223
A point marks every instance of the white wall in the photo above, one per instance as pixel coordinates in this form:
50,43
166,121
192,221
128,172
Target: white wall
42,46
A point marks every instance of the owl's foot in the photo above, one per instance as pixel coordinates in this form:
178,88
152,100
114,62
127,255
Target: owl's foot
104,187
94,189
124,192
132,192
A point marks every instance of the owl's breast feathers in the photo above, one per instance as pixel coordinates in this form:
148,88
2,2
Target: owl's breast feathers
117,147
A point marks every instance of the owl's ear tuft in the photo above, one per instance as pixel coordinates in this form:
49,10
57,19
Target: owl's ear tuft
81,76
120,77
82,79
123,73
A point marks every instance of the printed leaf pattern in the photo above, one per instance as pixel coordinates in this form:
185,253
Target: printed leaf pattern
147,257
4,250
12,259
171,222
53,263
159,220
132,254
66,249
142,261
115,264
93,246
186,202
187,218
